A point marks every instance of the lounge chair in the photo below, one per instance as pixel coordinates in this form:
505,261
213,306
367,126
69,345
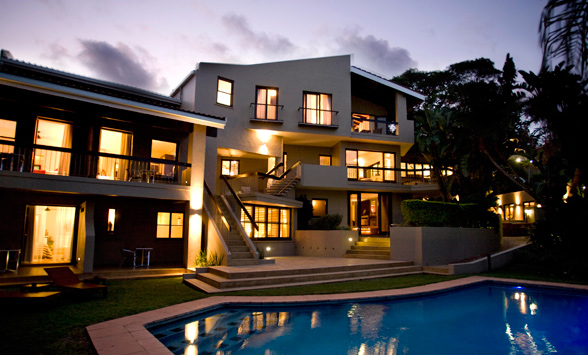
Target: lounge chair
28,298
65,279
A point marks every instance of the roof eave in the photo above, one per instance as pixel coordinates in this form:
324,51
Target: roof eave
388,83
109,101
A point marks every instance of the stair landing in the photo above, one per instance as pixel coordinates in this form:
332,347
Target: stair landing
296,271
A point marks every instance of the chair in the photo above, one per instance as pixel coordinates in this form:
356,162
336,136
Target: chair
28,298
126,253
65,279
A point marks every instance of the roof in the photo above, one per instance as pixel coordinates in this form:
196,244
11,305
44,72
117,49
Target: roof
388,83
32,77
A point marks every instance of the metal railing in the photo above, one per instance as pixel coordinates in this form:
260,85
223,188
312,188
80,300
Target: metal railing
265,112
48,160
374,126
317,117
240,204
215,212
389,175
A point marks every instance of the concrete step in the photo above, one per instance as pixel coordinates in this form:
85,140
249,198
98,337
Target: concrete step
245,274
370,247
239,249
368,256
241,255
243,262
368,252
440,269
224,283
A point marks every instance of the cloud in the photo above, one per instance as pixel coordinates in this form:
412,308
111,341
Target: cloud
260,42
376,53
121,64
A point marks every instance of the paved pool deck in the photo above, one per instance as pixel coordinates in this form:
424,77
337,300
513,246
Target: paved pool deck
128,335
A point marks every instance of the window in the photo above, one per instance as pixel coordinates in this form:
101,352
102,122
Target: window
170,225
53,134
116,143
319,207
167,151
370,166
317,109
7,133
324,160
266,104
50,234
273,222
509,211
363,123
111,220
229,167
224,94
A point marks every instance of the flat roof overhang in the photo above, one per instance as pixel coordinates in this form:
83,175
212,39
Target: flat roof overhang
109,101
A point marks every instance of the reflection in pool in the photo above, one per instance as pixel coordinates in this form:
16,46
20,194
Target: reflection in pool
483,319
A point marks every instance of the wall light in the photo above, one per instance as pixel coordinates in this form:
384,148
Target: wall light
350,239
264,136
268,249
111,220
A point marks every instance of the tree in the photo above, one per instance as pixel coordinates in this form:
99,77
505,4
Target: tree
564,34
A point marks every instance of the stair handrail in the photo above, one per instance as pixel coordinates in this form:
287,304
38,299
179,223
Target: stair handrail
239,202
242,232
216,206
292,167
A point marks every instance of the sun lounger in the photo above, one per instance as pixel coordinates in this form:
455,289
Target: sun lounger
28,298
65,279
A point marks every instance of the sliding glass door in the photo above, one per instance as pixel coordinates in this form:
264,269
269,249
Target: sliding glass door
50,234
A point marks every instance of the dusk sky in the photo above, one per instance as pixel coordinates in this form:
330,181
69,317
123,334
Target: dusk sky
155,44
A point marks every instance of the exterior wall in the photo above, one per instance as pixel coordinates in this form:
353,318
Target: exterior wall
497,261
277,247
336,201
429,246
326,244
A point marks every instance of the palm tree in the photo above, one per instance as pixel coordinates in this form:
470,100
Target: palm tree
564,34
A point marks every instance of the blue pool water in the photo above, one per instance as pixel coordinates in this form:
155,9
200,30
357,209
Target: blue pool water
482,319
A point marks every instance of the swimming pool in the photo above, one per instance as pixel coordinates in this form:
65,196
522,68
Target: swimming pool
485,318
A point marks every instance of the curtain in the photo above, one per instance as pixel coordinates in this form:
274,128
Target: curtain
50,231
65,158
311,106
126,150
261,104
325,106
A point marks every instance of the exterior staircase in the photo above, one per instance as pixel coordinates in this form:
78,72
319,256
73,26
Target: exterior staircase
370,248
281,187
223,279
240,253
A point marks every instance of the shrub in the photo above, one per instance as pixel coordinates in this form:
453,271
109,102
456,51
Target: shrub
418,213
213,260
326,222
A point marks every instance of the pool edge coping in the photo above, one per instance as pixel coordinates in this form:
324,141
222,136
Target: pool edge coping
129,335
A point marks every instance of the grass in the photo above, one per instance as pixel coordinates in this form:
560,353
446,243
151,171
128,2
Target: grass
59,328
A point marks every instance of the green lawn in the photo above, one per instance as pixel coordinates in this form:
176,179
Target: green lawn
59,328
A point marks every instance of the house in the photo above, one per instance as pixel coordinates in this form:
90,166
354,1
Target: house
88,168
319,129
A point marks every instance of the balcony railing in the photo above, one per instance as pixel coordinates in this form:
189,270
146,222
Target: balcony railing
407,176
66,162
374,126
317,117
265,112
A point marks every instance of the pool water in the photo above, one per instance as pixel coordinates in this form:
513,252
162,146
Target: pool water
483,319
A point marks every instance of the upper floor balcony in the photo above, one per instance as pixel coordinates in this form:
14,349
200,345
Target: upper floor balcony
368,124
55,161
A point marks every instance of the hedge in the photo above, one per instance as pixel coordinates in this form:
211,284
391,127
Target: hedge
419,213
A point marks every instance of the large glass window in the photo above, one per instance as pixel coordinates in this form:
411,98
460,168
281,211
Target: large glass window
115,143
324,160
319,207
53,134
273,222
167,151
224,95
318,109
7,133
266,104
229,167
369,213
50,234
370,166
170,225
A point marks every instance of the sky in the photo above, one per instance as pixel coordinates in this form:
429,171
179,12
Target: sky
154,45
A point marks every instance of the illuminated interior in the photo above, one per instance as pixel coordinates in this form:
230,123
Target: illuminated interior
53,134
170,225
116,143
225,92
266,105
7,133
51,234
163,150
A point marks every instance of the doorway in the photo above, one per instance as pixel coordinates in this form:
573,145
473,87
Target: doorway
369,213
50,234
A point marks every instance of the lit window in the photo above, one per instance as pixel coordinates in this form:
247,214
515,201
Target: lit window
229,167
368,166
318,109
116,143
266,105
111,220
273,222
170,225
224,95
51,234
7,133
319,207
163,150
53,134
324,159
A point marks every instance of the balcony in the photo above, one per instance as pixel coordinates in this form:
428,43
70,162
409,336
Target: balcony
56,161
313,117
367,124
266,113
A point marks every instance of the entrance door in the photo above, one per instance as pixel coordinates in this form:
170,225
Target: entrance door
369,213
50,232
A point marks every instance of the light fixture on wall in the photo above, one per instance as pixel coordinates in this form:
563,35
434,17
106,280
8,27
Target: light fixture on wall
47,209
